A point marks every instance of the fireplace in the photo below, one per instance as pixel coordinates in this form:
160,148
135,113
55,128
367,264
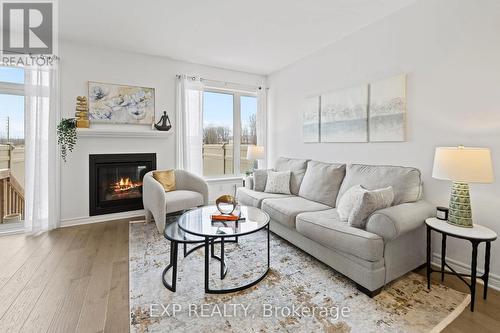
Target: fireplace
115,181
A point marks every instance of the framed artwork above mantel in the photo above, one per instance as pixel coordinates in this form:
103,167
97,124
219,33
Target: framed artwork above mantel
121,104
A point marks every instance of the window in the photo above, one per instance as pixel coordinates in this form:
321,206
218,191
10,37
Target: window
229,127
11,145
248,105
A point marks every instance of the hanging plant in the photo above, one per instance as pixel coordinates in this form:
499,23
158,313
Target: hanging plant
66,136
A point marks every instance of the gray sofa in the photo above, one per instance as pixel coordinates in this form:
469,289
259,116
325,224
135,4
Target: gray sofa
391,244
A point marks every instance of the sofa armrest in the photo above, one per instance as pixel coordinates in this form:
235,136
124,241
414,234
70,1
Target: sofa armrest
392,222
188,181
249,182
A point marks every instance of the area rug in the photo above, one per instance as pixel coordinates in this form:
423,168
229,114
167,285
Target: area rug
300,294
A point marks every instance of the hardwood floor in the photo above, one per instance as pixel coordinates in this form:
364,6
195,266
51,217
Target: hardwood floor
68,280
76,280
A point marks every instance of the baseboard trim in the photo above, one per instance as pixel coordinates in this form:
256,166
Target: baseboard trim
100,218
494,281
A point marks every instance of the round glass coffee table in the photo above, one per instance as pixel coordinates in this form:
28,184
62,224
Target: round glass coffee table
198,222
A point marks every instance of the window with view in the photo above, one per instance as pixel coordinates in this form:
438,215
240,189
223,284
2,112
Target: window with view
11,146
229,127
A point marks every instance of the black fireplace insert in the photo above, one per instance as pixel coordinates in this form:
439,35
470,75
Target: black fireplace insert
115,181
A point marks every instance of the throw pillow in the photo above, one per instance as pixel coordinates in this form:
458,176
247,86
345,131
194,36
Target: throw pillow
278,182
368,203
166,178
298,169
259,180
322,181
347,201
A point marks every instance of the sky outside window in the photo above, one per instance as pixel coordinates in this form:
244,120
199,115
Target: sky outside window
11,106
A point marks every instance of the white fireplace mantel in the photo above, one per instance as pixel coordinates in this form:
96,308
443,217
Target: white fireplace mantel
122,133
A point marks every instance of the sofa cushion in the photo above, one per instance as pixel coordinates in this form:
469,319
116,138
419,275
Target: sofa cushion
325,228
248,197
348,200
298,169
285,210
278,182
322,182
406,182
259,179
180,199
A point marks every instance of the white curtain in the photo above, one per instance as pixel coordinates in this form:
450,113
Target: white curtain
189,128
262,123
41,158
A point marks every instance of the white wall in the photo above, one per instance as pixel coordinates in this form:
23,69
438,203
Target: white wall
82,63
451,52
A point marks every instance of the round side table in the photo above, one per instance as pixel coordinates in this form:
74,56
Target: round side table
476,235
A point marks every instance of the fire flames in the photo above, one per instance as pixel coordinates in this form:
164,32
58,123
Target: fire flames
125,185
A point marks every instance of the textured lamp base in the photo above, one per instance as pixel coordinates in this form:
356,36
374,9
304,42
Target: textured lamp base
460,213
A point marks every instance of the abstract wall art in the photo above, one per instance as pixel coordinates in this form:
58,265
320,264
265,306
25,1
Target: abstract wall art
121,104
310,119
344,115
387,112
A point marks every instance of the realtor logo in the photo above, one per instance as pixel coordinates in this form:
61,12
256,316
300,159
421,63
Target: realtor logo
27,27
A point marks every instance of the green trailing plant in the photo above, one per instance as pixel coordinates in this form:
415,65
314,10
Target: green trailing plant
66,136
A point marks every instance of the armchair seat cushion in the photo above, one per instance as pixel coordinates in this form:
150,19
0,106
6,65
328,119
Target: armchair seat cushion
326,228
182,199
284,210
248,197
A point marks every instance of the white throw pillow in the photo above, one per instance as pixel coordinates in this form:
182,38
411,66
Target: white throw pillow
278,182
347,201
369,202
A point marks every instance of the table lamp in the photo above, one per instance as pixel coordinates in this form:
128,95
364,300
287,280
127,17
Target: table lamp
462,165
255,153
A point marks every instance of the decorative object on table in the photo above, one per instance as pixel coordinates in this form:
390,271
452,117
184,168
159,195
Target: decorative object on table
164,123
476,235
310,119
442,213
113,103
462,165
344,115
66,136
82,112
226,204
387,110
255,153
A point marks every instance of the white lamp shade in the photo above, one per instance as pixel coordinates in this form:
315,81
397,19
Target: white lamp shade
463,164
255,153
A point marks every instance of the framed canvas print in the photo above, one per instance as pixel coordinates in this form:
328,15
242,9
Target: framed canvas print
310,119
113,103
387,120
344,116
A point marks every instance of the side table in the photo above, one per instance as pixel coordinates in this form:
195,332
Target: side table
476,235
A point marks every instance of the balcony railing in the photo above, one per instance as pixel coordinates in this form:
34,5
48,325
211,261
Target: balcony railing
11,196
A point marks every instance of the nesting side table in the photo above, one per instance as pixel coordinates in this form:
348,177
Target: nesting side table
476,235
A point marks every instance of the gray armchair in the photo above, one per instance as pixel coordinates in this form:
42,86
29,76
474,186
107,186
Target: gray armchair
191,191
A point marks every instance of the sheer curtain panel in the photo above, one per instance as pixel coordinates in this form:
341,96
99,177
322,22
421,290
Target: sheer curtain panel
42,162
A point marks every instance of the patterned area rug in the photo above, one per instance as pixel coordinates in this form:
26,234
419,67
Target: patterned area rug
300,294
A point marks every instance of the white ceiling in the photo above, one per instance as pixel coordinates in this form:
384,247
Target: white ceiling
256,36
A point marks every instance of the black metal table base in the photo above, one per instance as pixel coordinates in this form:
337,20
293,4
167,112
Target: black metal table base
209,251
174,249
473,276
